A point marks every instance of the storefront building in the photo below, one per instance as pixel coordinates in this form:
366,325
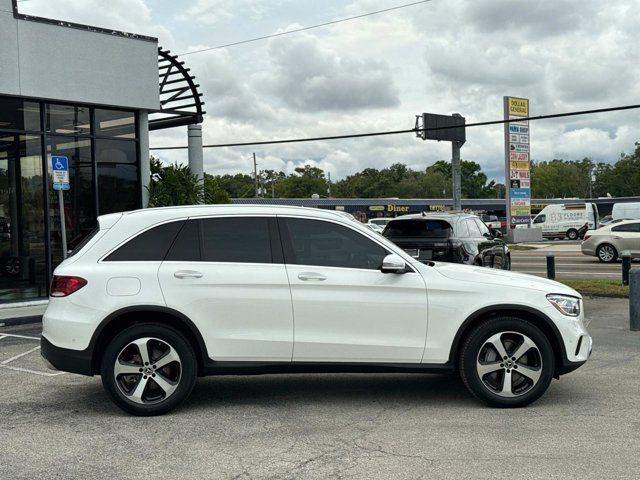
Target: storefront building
79,92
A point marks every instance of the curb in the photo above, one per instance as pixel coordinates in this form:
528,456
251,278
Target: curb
11,322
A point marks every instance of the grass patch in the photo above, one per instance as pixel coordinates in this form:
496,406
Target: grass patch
599,288
515,246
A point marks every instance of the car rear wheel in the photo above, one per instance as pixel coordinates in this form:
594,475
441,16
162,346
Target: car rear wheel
507,362
572,233
148,369
607,253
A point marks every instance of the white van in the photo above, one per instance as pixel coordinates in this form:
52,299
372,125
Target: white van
626,211
567,219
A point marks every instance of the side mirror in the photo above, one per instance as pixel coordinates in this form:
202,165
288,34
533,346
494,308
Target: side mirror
393,264
496,233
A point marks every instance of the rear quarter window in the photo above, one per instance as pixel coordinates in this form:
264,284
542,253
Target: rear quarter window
151,245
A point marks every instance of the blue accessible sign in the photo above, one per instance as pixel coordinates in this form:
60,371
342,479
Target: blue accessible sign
60,172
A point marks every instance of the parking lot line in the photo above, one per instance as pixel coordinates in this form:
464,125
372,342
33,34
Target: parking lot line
20,355
27,370
20,336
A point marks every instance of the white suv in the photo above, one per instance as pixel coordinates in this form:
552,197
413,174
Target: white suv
155,298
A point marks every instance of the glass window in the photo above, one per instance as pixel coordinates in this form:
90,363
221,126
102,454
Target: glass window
16,114
462,229
118,186
115,123
628,227
474,231
417,228
67,119
539,219
484,230
315,242
151,245
22,234
239,239
186,247
79,200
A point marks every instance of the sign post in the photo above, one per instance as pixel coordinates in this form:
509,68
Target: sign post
60,176
517,162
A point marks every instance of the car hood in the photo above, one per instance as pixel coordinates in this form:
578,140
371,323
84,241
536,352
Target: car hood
507,278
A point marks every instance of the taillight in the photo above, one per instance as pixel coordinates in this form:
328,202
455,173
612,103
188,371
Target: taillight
586,237
61,286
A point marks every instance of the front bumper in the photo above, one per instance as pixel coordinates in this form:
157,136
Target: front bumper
584,349
65,359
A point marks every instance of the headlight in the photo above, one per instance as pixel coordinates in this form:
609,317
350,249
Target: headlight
566,305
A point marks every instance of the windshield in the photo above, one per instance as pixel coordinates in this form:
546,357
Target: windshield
418,228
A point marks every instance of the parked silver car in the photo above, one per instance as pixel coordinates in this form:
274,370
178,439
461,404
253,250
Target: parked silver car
608,243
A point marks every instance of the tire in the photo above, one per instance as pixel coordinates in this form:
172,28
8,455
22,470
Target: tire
572,234
507,263
169,376
607,253
530,374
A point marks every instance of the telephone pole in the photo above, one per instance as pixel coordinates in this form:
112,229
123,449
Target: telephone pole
329,184
255,174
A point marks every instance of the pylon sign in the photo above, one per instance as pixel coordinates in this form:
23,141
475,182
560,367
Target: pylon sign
517,161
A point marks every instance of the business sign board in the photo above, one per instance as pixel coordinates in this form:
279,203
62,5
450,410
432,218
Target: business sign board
517,162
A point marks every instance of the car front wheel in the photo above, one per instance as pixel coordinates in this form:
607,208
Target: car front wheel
507,362
148,369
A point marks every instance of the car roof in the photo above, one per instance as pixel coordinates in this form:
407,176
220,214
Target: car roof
159,214
449,216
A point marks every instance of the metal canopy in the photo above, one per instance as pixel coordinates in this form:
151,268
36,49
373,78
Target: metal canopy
180,101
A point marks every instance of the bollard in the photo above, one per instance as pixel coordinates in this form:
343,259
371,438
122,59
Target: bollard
551,266
626,266
634,300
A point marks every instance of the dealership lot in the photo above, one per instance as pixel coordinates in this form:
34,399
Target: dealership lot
304,426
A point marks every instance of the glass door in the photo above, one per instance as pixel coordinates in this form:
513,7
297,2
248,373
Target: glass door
22,229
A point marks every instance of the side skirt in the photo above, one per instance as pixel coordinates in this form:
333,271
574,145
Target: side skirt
213,367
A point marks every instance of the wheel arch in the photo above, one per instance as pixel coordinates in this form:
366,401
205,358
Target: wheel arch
536,317
121,319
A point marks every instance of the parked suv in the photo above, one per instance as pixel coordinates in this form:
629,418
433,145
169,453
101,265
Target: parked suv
158,297
449,237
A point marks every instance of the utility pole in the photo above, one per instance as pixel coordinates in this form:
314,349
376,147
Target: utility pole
255,173
455,171
329,188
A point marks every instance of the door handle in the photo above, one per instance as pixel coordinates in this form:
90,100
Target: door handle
311,276
187,274
615,237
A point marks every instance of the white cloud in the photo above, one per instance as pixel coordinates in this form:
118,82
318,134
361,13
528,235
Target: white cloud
376,73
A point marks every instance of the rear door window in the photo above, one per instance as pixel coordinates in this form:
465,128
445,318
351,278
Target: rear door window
151,245
240,240
418,228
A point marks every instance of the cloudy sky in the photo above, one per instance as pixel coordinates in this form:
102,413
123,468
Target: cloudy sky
376,73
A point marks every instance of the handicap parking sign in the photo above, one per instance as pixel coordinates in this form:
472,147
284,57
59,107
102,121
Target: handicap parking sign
60,172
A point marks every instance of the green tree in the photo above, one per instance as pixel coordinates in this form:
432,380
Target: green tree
173,185
621,179
561,179
305,182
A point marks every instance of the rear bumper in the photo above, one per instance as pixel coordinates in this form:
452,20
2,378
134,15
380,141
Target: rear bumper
65,359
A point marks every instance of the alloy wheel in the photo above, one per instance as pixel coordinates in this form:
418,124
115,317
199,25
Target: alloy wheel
606,253
509,364
147,370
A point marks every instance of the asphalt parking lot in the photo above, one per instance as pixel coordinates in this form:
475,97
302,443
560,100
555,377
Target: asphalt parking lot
56,425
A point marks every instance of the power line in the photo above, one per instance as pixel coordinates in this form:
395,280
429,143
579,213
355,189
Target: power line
412,130
297,30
